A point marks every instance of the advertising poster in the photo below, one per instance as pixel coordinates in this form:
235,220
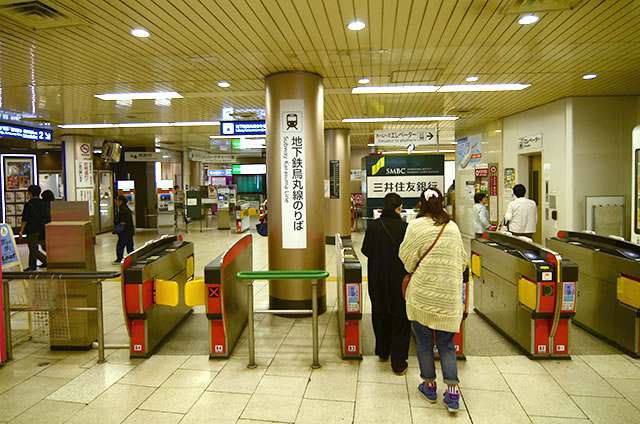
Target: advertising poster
469,151
509,181
293,175
18,173
8,246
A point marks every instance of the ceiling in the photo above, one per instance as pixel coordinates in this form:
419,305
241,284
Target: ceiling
83,47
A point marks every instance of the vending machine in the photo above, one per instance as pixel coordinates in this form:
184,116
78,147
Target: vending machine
166,209
127,188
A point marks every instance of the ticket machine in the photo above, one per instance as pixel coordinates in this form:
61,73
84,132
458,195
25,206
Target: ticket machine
609,292
127,188
526,291
166,208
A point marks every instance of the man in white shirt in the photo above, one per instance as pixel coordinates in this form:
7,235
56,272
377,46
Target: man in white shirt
522,214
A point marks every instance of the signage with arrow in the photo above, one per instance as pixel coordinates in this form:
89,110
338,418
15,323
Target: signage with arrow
406,137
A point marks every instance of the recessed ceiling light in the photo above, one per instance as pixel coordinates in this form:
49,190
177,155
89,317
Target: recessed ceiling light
140,96
356,25
472,79
224,84
528,19
371,144
497,131
589,76
140,33
364,81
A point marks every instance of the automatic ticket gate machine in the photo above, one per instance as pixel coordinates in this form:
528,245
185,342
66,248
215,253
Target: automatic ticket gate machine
224,296
349,283
609,292
526,291
153,283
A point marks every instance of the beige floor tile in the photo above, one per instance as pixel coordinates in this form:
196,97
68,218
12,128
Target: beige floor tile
241,421
489,407
612,366
235,377
628,388
47,353
578,378
417,399
438,416
91,383
480,372
120,357
113,406
334,381
314,411
552,420
170,399
61,370
25,349
279,408
602,410
518,365
81,358
144,417
203,363
284,386
290,365
541,395
190,379
382,403
18,399
18,371
374,371
155,370
208,408
48,412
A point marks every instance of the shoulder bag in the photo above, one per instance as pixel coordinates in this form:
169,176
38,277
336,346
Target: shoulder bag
407,278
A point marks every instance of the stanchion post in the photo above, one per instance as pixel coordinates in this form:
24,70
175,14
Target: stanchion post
252,342
7,320
100,322
314,322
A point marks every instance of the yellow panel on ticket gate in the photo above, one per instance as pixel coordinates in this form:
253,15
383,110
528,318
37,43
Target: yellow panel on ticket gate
167,293
476,265
628,291
194,292
528,293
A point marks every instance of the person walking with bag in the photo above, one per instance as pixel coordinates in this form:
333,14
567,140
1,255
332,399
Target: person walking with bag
433,252
388,314
124,229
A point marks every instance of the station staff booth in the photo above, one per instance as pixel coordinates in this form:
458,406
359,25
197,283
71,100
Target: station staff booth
526,291
609,286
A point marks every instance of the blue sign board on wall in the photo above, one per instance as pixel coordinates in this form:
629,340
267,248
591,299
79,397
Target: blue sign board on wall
26,133
243,128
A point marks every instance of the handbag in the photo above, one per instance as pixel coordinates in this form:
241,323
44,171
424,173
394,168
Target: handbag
407,278
119,228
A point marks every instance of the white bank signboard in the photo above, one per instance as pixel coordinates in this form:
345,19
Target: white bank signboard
293,173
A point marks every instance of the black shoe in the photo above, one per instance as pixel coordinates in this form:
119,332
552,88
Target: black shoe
399,367
383,358
117,262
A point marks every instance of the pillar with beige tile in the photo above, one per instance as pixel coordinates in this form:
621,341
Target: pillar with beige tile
337,172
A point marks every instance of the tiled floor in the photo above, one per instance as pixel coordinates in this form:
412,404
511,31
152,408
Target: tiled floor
40,386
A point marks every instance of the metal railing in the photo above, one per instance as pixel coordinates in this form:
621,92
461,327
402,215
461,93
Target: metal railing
96,277
313,275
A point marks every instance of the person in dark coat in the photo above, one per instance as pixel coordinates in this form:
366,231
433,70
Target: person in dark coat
47,198
33,220
125,237
388,312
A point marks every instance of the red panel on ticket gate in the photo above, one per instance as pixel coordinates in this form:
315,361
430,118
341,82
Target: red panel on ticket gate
352,316
458,338
3,336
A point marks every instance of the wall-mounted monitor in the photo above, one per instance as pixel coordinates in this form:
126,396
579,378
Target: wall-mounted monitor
111,151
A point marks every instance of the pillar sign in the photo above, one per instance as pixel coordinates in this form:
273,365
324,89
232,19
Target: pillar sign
294,214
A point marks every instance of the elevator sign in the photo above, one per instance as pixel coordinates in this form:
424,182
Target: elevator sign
293,175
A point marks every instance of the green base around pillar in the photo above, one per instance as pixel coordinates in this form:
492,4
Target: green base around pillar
332,240
277,303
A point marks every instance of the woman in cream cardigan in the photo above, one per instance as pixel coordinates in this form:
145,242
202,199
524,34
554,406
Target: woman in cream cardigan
434,295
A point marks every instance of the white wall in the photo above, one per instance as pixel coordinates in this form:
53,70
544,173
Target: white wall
550,120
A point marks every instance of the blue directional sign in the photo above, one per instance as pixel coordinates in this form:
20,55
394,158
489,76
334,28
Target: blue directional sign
243,128
26,133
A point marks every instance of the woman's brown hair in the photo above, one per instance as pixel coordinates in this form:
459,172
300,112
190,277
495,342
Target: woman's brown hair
433,206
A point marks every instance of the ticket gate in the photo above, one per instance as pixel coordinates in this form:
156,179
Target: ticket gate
609,291
349,283
526,291
153,280
224,296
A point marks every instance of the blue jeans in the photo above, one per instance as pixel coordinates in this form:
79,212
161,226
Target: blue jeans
124,240
446,349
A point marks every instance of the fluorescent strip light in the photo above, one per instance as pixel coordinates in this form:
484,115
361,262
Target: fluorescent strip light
235,136
140,96
143,125
395,89
429,118
405,119
482,87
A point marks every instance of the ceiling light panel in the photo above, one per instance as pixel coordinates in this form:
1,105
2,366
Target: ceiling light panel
356,25
140,96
